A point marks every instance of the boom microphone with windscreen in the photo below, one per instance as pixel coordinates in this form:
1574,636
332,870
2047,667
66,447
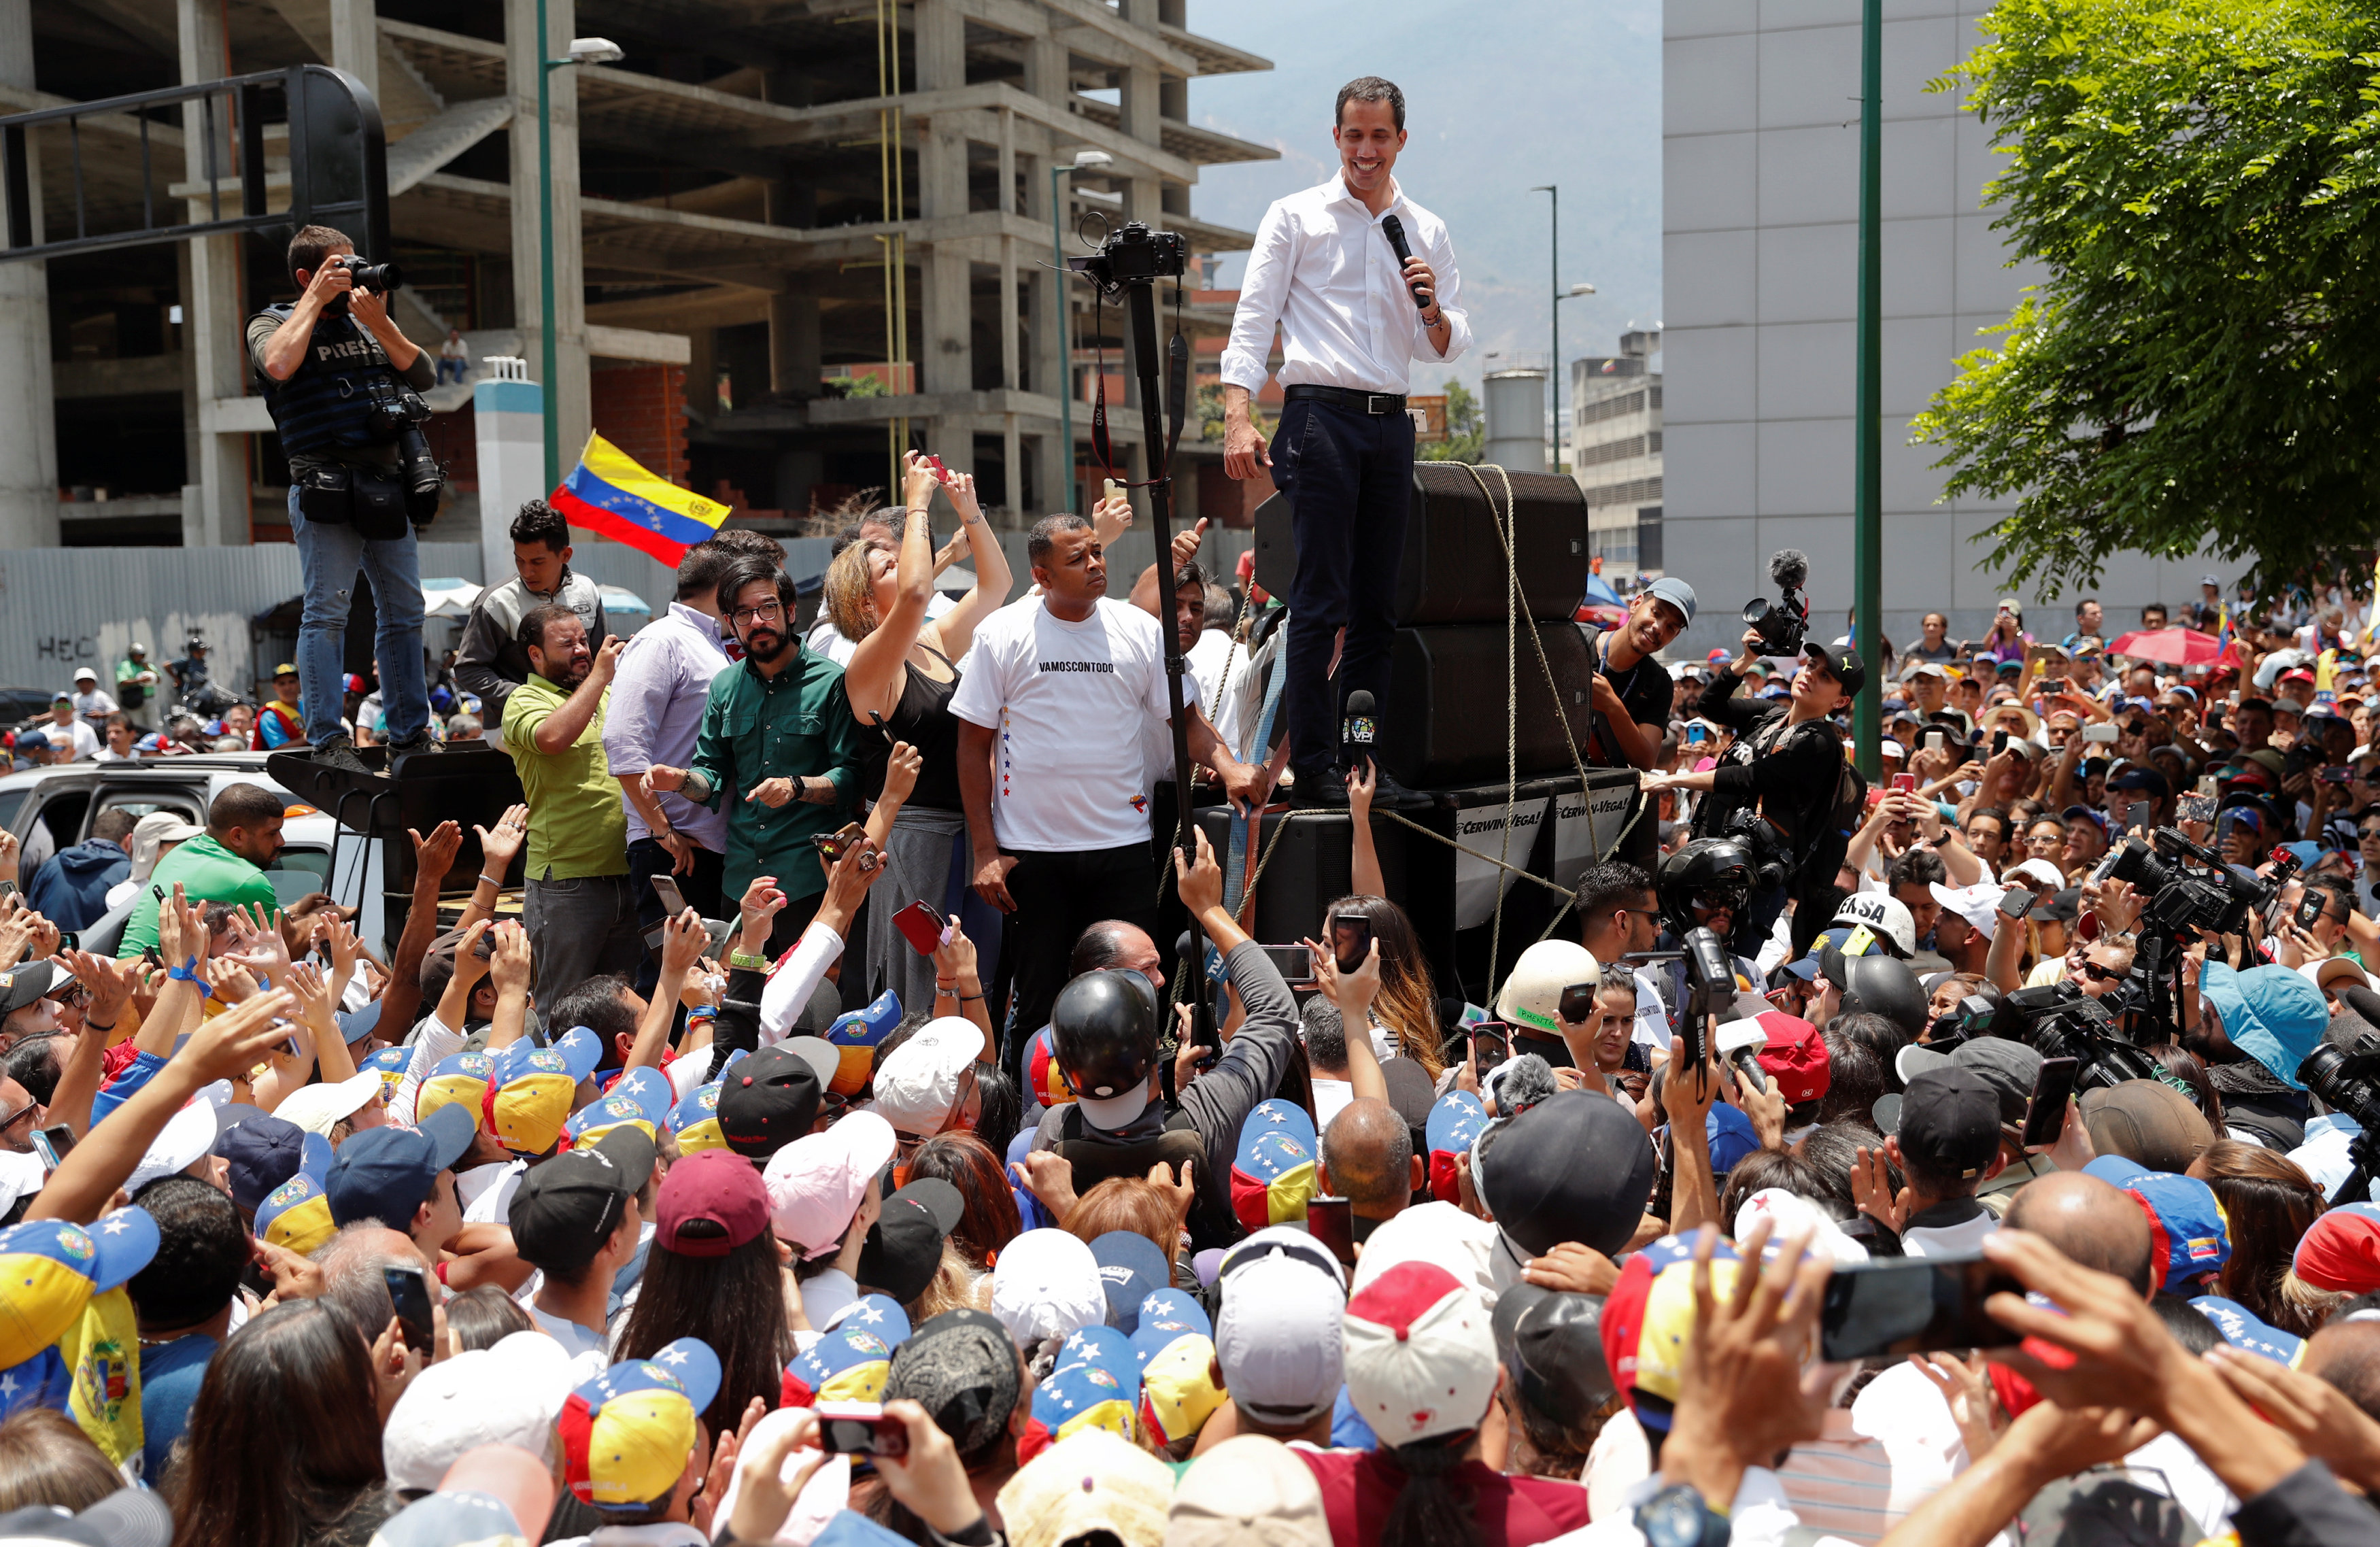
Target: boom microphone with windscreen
1395,231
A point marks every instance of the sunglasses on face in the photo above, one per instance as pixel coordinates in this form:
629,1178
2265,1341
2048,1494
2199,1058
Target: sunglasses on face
2097,973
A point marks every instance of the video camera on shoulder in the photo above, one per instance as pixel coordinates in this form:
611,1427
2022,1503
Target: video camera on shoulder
1782,624
2189,887
2058,1020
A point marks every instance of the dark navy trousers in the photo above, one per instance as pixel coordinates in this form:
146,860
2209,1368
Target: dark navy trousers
1349,479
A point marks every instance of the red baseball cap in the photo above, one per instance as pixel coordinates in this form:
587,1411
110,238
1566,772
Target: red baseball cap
718,1186
1795,1057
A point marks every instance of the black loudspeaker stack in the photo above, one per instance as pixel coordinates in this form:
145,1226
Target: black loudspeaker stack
1445,721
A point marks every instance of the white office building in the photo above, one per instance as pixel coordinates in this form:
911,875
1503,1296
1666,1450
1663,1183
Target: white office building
1760,139
1615,453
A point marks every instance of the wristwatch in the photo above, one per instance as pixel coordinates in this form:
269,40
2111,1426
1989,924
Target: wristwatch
1680,1517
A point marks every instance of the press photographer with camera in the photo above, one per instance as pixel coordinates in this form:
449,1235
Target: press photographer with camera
1778,783
342,384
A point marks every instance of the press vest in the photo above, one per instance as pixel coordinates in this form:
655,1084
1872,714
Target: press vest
324,407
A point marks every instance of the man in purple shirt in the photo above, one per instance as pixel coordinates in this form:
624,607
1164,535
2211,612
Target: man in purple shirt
656,707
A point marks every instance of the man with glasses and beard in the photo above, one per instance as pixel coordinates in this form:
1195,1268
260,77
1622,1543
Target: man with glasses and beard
778,746
581,918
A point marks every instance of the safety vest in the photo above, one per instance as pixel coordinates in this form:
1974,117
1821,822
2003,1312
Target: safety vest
324,407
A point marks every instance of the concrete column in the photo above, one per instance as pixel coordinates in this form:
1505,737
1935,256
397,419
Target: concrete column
29,428
1004,314
794,353
215,500
945,350
509,420
1045,68
940,41
1012,462
569,390
1141,103
355,41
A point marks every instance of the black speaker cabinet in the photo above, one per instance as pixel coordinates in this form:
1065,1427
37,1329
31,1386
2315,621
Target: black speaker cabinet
1444,722
1453,566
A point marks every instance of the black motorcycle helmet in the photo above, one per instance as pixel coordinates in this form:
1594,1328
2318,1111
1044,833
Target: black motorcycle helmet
1879,985
1103,1033
1703,868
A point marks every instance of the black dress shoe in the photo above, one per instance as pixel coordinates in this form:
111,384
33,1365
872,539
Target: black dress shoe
1323,789
1387,792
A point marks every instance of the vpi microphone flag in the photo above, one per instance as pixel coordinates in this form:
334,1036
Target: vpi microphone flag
610,494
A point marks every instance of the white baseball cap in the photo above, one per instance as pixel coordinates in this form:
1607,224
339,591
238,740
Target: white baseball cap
1420,1355
507,1394
816,1184
1885,914
1047,1285
186,1135
1277,1338
1979,905
917,1084
2039,876
318,1108
84,674
1789,1215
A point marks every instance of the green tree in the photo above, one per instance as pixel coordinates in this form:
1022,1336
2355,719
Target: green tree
2201,367
1466,428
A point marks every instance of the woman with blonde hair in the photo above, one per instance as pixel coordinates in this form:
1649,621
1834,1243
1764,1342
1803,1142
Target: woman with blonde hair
899,683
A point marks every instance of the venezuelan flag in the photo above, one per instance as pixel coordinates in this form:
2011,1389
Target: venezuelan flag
608,494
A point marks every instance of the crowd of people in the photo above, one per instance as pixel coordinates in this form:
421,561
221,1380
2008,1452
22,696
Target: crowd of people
818,1146
907,1199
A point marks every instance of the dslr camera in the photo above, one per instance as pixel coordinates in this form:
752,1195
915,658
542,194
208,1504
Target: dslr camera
398,413
367,275
1134,253
2348,1081
1783,622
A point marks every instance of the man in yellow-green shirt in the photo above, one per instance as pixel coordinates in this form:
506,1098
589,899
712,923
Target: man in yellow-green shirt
580,917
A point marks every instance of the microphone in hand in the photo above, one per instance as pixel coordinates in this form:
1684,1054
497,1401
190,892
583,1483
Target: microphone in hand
1395,231
1358,728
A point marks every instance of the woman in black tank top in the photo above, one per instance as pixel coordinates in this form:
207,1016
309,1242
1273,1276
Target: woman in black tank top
900,681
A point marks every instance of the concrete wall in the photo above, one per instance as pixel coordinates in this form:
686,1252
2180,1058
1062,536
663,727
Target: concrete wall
1760,142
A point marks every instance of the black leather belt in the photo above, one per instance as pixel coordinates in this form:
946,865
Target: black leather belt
1346,397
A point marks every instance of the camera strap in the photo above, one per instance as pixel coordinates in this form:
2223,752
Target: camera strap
1177,385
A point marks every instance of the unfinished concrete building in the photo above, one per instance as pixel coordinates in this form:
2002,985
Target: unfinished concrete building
791,236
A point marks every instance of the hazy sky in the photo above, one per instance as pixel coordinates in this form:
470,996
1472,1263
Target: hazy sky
1499,98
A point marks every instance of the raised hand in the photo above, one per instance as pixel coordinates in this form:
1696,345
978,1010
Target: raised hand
434,856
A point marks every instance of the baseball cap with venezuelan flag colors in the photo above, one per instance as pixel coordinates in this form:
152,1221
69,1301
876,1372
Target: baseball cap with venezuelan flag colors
695,1121
1455,1125
1044,1080
50,1269
855,1037
1647,1318
532,1088
1096,1386
1273,1175
2189,1231
626,1435
390,1064
850,1362
460,1081
297,1215
640,1099
1176,1349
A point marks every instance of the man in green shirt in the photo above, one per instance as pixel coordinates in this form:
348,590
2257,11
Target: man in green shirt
778,744
580,918
225,863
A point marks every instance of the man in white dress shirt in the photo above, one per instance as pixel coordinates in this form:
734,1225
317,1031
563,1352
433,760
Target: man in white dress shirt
1353,321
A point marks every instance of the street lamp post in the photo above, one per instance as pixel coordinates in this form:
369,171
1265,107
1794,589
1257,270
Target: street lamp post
1867,484
1084,161
583,51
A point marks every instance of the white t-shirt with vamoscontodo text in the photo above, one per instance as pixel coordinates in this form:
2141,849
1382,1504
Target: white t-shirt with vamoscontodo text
1068,704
